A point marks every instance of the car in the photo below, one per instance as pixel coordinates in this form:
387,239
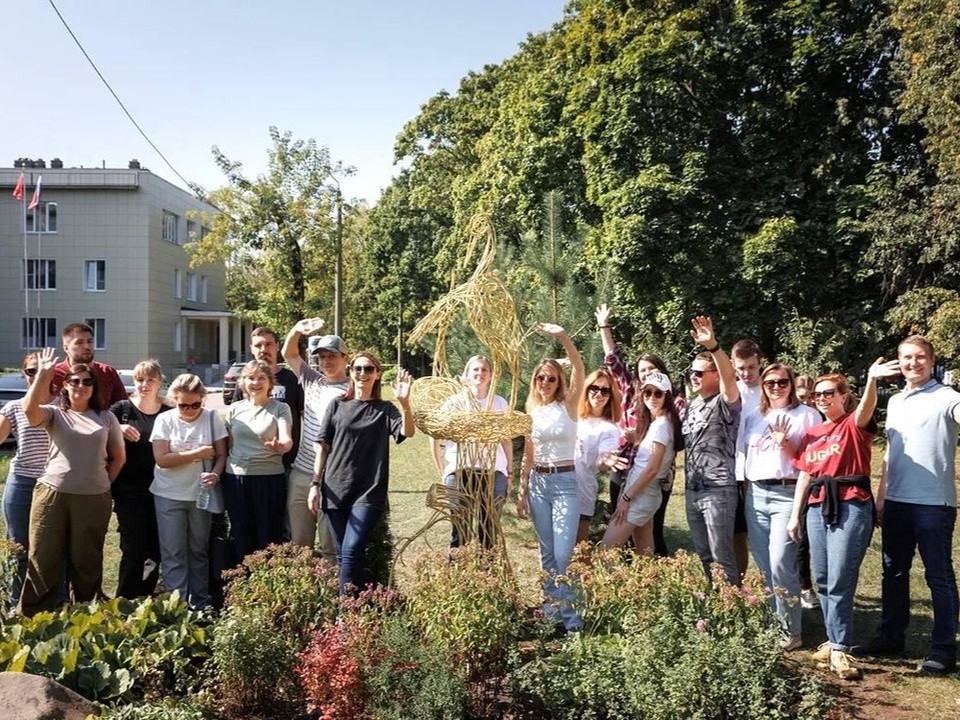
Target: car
12,387
230,381
129,384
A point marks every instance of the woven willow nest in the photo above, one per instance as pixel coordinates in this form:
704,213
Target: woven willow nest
473,426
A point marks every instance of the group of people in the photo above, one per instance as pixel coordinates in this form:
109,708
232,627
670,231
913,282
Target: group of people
774,462
294,441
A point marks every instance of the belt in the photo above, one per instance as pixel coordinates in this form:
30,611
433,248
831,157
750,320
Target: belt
551,469
775,481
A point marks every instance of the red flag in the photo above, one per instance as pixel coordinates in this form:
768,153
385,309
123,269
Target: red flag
18,189
35,200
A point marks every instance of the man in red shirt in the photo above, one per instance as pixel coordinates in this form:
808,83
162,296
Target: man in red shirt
78,346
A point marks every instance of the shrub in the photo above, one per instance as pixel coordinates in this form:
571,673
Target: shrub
295,590
9,554
169,709
468,606
253,666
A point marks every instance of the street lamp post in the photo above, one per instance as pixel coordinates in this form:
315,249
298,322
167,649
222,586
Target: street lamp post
338,267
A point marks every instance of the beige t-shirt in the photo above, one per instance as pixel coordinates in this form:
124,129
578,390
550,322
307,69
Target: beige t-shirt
78,449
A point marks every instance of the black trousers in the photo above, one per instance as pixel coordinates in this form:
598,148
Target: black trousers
139,544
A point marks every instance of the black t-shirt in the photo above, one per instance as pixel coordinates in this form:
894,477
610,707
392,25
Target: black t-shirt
357,470
287,390
137,472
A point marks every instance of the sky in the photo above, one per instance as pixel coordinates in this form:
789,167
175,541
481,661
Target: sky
200,73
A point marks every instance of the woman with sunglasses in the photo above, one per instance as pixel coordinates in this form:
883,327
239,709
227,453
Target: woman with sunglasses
548,478
71,501
766,445
657,423
255,484
834,464
630,385
190,449
132,499
598,439
33,446
352,466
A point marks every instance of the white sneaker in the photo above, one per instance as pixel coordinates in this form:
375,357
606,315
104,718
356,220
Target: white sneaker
821,654
790,642
841,664
809,599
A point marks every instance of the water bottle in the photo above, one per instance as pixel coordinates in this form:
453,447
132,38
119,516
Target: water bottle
203,498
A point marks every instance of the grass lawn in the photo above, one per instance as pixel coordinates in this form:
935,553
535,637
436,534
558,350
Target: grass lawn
889,688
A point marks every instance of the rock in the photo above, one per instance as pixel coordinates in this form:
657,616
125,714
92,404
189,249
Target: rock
31,697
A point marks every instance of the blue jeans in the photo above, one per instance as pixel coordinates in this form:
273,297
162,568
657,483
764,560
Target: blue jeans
836,552
555,511
768,511
351,529
711,514
17,496
184,532
480,521
906,527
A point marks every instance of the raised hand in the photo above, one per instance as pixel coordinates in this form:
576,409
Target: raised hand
551,329
46,359
602,313
779,429
307,326
702,331
401,386
884,369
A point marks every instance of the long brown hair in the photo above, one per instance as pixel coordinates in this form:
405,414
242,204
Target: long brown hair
792,401
611,410
645,418
375,394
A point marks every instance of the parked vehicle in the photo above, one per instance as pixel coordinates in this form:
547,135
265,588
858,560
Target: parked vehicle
230,381
126,377
12,387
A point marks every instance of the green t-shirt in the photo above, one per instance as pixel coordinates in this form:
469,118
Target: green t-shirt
250,425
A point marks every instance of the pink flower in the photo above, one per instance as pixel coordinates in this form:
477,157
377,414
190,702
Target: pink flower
702,625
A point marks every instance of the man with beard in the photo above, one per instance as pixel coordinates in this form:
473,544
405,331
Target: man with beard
78,347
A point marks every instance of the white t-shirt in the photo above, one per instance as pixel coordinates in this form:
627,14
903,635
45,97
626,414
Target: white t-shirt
183,482
595,437
758,455
554,434
750,397
461,403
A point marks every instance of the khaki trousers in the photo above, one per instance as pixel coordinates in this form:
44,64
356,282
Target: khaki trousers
303,523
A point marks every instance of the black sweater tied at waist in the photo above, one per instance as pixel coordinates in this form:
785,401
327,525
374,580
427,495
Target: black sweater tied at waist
830,505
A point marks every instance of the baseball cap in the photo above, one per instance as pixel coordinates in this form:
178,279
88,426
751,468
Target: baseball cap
331,343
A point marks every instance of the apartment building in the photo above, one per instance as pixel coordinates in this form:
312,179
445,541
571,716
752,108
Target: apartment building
106,246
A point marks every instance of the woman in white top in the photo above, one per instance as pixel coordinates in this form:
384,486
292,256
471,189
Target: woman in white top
766,445
548,481
598,438
190,447
657,421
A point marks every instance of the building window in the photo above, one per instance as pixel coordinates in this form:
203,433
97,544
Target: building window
40,274
191,287
203,289
99,326
95,275
177,336
38,333
191,231
43,218
177,287
171,227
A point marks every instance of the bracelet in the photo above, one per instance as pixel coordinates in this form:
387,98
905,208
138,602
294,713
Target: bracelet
628,499
602,326
713,349
315,483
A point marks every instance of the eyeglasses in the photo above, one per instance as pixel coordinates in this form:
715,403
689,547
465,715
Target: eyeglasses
700,373
30,371
364,369
549,379
817,394
653,393
190,406
599,390
77,382
778,383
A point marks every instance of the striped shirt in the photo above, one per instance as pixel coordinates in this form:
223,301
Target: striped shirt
33,443
317,396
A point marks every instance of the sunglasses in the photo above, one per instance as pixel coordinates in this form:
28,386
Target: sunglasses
779,383
77,382
190,406
817,394
549,379
699,373
653,393
30,371
599,390
364,369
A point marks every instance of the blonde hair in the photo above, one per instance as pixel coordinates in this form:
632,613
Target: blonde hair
187,383
148,368
533,399
255,366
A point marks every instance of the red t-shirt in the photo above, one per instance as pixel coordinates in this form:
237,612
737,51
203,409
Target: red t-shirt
837,449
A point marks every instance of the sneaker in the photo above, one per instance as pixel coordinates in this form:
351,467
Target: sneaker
809,599
790,642
878,647
936,667
821,654
840,664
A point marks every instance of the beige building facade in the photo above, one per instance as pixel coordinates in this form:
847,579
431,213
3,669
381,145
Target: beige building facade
106,247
